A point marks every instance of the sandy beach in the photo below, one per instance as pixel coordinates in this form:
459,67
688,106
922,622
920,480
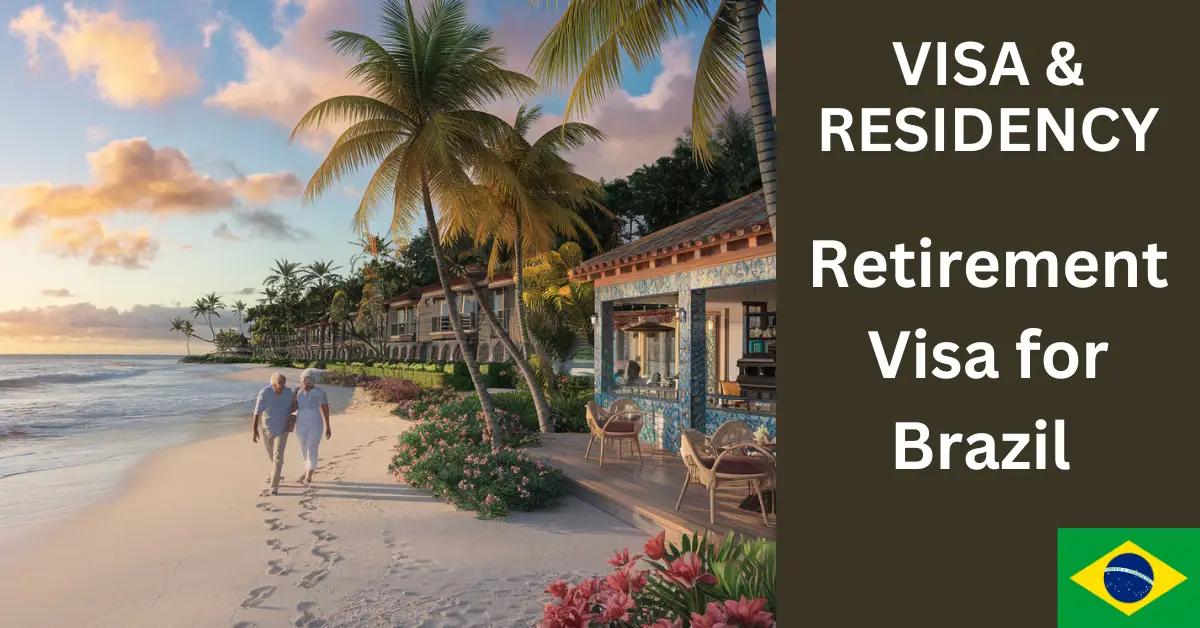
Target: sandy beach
189,541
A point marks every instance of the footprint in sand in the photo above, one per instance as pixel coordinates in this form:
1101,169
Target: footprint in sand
311,579
307,617
274,524
275,567
327,556
257,597
277,545
309,517
323,535
245,624
267,507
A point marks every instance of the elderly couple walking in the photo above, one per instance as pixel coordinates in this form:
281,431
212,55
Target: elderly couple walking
280,410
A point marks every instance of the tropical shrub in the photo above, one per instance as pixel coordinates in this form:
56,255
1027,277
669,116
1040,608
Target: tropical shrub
388,390
349,380
229,339
570,411
212,358
696,583
519,403
428,375
568,396
448,453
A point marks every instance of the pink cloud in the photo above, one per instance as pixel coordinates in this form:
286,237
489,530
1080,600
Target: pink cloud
127,59
128,249
84,321
132,175
284,81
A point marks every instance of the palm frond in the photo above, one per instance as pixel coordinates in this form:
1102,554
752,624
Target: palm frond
716,76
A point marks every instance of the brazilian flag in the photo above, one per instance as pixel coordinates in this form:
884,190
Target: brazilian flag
1128,577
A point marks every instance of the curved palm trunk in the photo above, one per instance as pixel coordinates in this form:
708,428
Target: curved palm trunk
545,421
485,399
519,282
528,341
760,101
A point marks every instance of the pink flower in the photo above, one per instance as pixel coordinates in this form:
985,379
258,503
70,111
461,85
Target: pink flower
616,607
665,623
620,559
627,579
558,589
688,571
656,546
741,613
564,616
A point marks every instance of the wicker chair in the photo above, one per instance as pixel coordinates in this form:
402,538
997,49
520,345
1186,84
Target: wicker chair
621,422
731,433
730,465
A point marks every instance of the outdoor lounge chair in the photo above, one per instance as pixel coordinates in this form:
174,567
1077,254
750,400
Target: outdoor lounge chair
621,422
731,433
731,465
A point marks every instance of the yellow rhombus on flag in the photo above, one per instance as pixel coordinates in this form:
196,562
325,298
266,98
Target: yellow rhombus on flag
1092,578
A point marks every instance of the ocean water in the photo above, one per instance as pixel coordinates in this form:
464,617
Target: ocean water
70,426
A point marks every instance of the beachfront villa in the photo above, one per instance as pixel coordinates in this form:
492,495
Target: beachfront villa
685,323
419,327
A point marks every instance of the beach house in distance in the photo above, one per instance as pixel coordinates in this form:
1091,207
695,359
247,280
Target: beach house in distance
686,325
419,329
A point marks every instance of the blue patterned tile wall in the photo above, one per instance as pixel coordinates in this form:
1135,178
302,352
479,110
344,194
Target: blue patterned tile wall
668,418
714,417
693,370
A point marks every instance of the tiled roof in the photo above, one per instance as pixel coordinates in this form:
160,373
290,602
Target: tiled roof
734,218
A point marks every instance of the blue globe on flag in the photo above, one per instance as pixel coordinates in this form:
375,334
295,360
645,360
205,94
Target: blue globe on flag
1128,578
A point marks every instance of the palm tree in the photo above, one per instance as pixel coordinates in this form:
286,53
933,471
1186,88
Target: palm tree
370,246
240,308
285,275
527,217
209,307
419,126
321,274
585,49
186,328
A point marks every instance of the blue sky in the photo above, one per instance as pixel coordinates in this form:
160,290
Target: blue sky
215,119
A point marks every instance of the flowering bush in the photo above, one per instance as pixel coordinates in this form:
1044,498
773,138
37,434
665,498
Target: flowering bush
447,453
388,390
696,584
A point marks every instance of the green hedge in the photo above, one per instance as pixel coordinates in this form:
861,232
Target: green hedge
452,375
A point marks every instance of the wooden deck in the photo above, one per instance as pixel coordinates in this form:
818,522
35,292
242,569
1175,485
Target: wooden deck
644,495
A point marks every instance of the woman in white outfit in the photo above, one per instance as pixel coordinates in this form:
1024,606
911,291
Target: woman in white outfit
312,418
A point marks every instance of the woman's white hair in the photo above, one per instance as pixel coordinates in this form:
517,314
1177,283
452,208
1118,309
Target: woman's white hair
310,375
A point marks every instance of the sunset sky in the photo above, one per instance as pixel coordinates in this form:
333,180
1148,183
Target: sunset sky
146,159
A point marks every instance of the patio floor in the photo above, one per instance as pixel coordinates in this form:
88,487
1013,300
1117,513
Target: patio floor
644,495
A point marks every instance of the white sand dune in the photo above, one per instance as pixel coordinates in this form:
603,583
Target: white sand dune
189,541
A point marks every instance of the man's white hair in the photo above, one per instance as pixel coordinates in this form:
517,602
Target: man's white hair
278,378
310,376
